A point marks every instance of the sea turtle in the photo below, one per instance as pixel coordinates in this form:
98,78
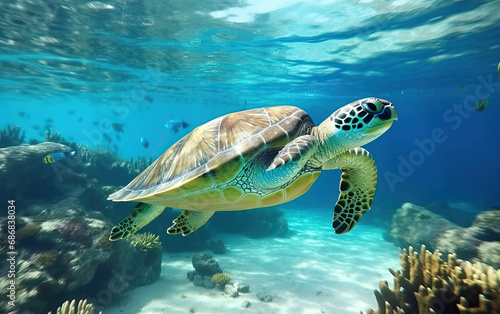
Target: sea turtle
258,158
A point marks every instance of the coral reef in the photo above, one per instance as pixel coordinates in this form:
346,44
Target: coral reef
61,255
427,284
146,241
108,167
28,231
414,225
221,278
72,308
48,259
11,136
26,178
55,137
139,165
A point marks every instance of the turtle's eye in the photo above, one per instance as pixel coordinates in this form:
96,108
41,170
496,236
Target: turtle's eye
372,105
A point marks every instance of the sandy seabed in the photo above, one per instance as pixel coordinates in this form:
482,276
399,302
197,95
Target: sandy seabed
313,271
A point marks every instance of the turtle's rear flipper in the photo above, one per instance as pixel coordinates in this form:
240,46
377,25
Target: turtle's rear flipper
357,187
299,150
189,221
141,215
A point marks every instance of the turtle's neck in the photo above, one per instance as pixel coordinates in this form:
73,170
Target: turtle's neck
328,146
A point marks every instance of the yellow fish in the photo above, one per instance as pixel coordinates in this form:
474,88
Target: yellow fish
498,69
481,105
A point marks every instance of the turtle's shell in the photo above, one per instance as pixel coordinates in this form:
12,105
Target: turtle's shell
202,162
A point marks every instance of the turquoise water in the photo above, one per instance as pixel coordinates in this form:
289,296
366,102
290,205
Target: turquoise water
199,61
86,65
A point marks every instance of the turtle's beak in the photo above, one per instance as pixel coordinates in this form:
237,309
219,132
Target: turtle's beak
380,128
386,118
394,113
389,113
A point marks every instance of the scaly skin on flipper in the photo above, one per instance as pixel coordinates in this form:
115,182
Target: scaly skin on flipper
141,215
357,187
189,221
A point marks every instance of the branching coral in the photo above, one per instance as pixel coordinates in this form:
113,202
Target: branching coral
139,165
72,308
55,137
146,241
221,278
111,160
426,284
11,136
87,154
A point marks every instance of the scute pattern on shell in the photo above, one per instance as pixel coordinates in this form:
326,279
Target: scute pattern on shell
242,133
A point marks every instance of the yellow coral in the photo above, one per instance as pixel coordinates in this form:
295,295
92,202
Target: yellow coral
29,230
427,284
72,308
146,241
221,278
48,259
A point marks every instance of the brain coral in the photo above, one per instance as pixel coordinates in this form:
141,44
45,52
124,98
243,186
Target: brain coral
221,278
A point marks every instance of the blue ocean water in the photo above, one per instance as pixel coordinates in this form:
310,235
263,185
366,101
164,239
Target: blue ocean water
151,62
86,65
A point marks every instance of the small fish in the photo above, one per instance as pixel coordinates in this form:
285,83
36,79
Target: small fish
118,112
144,142
149,98
118,137
107,137
481,105
71,112
115,147
80,119
95,123
175,125
22,114
35,127
118,127
51,158
49,120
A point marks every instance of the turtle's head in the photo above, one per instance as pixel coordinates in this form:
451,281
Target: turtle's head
359,122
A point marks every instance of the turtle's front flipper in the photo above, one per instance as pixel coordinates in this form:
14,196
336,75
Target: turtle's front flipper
357,187
141,215
189,221
299,150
